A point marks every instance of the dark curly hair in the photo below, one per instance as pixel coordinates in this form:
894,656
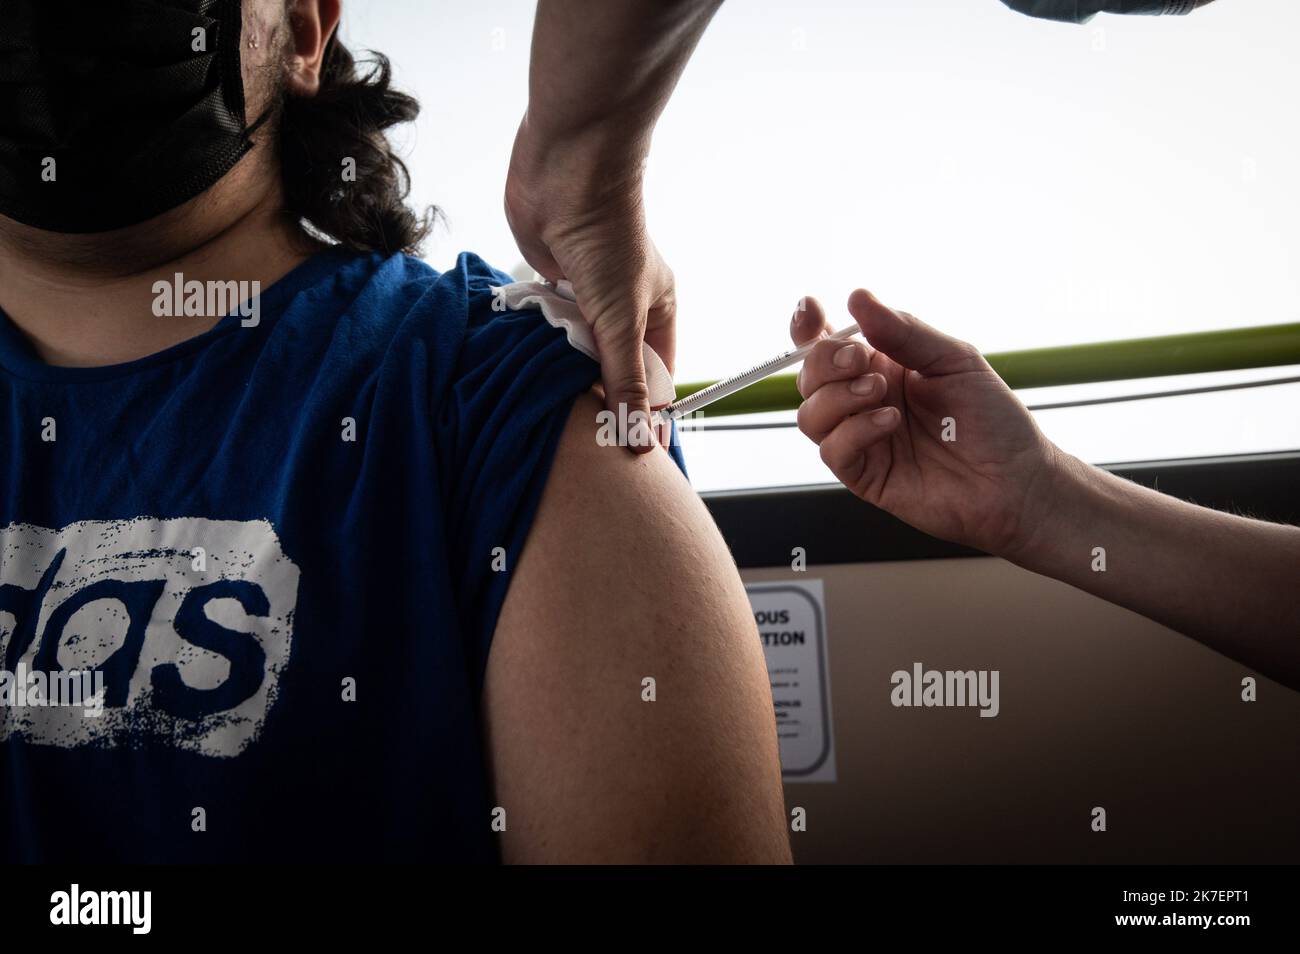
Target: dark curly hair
347,119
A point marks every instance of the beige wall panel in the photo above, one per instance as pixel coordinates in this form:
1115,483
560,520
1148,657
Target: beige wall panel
1099,707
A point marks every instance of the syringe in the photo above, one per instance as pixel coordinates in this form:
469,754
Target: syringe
716,392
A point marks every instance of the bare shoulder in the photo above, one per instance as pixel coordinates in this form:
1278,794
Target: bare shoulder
627,705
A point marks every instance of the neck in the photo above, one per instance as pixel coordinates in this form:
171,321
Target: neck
88,306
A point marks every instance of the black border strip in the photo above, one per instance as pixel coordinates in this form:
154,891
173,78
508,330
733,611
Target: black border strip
763,527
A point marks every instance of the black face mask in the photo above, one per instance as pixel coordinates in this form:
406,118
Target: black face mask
113,113
1081,11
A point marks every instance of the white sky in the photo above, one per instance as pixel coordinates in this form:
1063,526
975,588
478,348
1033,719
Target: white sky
1015,182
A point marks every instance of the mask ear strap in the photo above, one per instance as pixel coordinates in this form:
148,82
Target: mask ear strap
330,46
261,121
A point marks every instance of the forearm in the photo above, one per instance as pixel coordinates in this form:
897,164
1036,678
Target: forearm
601,73
1227,581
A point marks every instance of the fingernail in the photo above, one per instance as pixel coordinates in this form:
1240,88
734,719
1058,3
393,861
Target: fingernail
844,357
883,417
865,385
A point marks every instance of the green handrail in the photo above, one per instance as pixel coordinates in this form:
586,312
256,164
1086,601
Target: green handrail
1262,346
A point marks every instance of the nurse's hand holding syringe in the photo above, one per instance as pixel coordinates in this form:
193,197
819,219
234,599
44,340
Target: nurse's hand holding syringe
918,424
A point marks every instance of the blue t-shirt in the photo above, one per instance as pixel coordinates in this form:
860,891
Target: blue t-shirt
281,550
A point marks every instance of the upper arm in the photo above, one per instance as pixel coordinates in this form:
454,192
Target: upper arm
625,578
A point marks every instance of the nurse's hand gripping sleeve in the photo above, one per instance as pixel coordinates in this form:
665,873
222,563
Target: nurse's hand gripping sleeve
560,308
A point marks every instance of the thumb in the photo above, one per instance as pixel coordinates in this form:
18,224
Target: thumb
622,372
909,341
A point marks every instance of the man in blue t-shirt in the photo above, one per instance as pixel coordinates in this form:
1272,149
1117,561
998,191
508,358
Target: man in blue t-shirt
307,550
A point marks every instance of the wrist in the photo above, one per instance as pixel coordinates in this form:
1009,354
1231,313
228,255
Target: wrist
1056,507
594,158
558,183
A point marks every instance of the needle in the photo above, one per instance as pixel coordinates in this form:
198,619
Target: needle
728,386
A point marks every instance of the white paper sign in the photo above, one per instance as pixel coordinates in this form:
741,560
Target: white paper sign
791,620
